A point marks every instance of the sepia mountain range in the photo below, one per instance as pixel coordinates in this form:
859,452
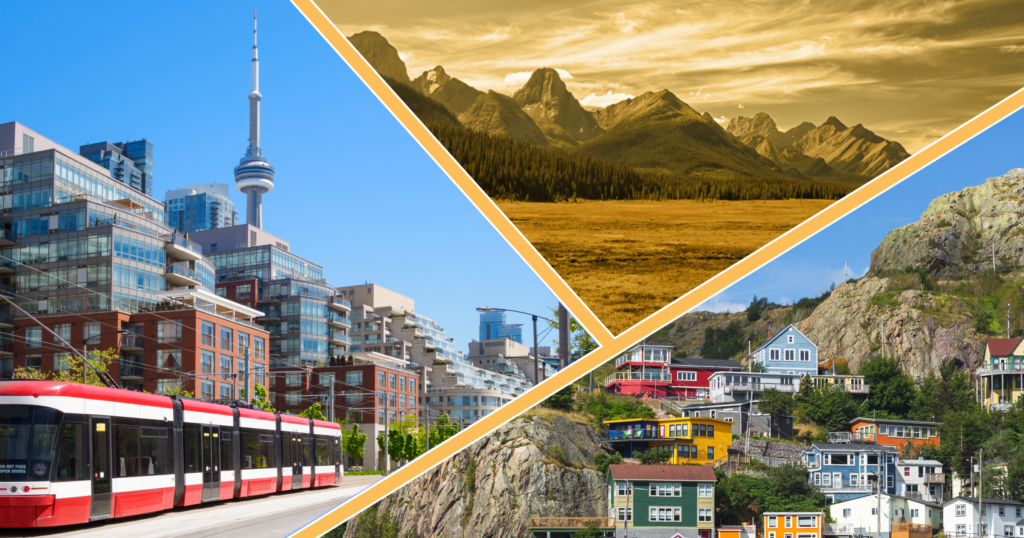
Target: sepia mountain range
655,131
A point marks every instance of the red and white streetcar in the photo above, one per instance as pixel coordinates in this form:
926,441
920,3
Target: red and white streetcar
73,453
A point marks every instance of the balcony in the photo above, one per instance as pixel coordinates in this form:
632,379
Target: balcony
934,478
854,384
847,485
8,267
180,275
542,524
1001,368
335,320
6,238
271,314
653,375
758,387
338,303
338,339
179,248
850,437
6,321
131,370
6,348
131,342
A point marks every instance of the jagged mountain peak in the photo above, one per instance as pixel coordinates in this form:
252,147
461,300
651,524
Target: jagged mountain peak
557,112
834,121
381,55
455,95
760,125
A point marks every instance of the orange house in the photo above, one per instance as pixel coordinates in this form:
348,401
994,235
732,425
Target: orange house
793,524
896,433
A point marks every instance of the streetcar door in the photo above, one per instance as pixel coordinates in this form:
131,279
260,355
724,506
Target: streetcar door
296,452
100,468
211,463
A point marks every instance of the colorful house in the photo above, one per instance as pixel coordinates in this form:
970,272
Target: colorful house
794,524
663,500
846,471
737,531
1001,373
642,370
889,432
690,379
688,439
788,352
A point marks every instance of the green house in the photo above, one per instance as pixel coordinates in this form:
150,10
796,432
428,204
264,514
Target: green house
666,501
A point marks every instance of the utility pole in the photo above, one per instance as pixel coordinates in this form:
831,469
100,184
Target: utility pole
248,391
564,335
881,476
629,506
536,354
981,488
330,396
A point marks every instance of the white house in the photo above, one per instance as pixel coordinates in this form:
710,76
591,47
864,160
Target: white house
861,514
999,517
920,479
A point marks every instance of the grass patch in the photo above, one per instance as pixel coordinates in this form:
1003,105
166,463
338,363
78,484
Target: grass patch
364,473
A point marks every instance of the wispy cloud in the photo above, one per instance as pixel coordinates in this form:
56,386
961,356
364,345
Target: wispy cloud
607,99
862,60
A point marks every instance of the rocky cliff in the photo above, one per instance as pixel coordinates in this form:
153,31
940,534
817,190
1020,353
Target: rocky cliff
381,55
497,114
534,466
455,95
546,99
959,230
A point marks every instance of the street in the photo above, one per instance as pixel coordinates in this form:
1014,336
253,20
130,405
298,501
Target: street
275,515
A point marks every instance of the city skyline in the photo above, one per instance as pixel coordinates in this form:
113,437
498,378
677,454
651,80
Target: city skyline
297,98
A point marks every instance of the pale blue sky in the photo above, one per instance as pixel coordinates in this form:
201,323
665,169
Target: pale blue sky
354,192
810,268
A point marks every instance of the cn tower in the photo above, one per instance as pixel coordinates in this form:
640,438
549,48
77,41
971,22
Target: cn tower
254,176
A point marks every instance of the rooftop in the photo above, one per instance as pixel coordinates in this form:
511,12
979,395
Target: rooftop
701,473
984,501
1002,346
894,421
706,363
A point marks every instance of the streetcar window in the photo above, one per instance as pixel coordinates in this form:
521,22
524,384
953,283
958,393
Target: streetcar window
227,453
126,450
155,453
305,449
192,464
71,465
323,454
258,449
27,435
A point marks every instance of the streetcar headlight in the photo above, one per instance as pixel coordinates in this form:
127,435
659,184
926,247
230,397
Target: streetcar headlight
14,489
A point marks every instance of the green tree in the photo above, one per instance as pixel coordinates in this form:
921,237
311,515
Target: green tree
261,399
178,391
370,524
602,461
313,412
723,342
442,429
925,403
71,366
756,307
354,442
841,367
591,530
831,407
601,406
581,342
892,390
777,404
653,456
562,400
742,497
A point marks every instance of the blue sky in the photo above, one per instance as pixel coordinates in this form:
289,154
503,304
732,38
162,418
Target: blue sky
354,192
812,267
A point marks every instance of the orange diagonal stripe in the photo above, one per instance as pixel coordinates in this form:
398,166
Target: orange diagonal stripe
611,345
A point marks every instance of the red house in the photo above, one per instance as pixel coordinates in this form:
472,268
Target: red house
649,370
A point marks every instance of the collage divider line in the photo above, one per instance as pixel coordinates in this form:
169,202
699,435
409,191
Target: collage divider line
610,345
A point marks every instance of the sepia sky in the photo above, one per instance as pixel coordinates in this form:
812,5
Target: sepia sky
909,70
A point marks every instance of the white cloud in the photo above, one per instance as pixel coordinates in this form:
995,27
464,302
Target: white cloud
722,120
602,101
716,304
836,275
740,105
1011,48
564,74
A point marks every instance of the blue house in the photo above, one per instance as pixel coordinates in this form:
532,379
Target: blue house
788,352
847,471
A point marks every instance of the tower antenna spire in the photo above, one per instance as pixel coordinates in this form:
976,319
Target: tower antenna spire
254,176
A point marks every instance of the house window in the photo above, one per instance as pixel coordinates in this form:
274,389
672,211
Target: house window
705,490
961,511
704,515
1002,510
807,521
790,354
207,336
625,514
874,511
961,530
354,378
846,512
890,481
773,354
789,339
773,522
1008,530
805,355
914,512
686,376
665,489
771,535
207,366
711,453
623,489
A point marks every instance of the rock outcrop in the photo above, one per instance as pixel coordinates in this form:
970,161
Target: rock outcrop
546,99
922,331
531,467
381,55
497,114
960,232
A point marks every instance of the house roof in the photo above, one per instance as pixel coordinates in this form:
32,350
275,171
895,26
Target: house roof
919,462
1002,346
984,500
778,334
919,501
706,363
854,447
893,421
701,473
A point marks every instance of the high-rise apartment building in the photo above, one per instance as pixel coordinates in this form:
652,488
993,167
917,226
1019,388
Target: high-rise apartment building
493,327
200,207
130,163
87,262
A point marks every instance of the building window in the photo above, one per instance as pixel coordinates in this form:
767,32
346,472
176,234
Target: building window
225,391
225,367
625,514
62,333
258,373
207,365
167,332
789,339
412,386
391,378
1008,530
62,362
380,379
354,377
805,355
170,362
206,388
773,522
961,511
961,530
292,397
167,386
33,337
805,522
623,489
846,512
686,376
790,354
705,490
711,453
773,354
207,336
1002,510
665,514
226,340
914,512
401,384
326,380
293,380
703,515
662,489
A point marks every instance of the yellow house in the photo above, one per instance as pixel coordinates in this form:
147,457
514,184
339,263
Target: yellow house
1001,373
699,440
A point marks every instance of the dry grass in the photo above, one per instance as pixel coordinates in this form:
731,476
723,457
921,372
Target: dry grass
627,259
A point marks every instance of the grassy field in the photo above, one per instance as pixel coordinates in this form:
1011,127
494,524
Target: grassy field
627,259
